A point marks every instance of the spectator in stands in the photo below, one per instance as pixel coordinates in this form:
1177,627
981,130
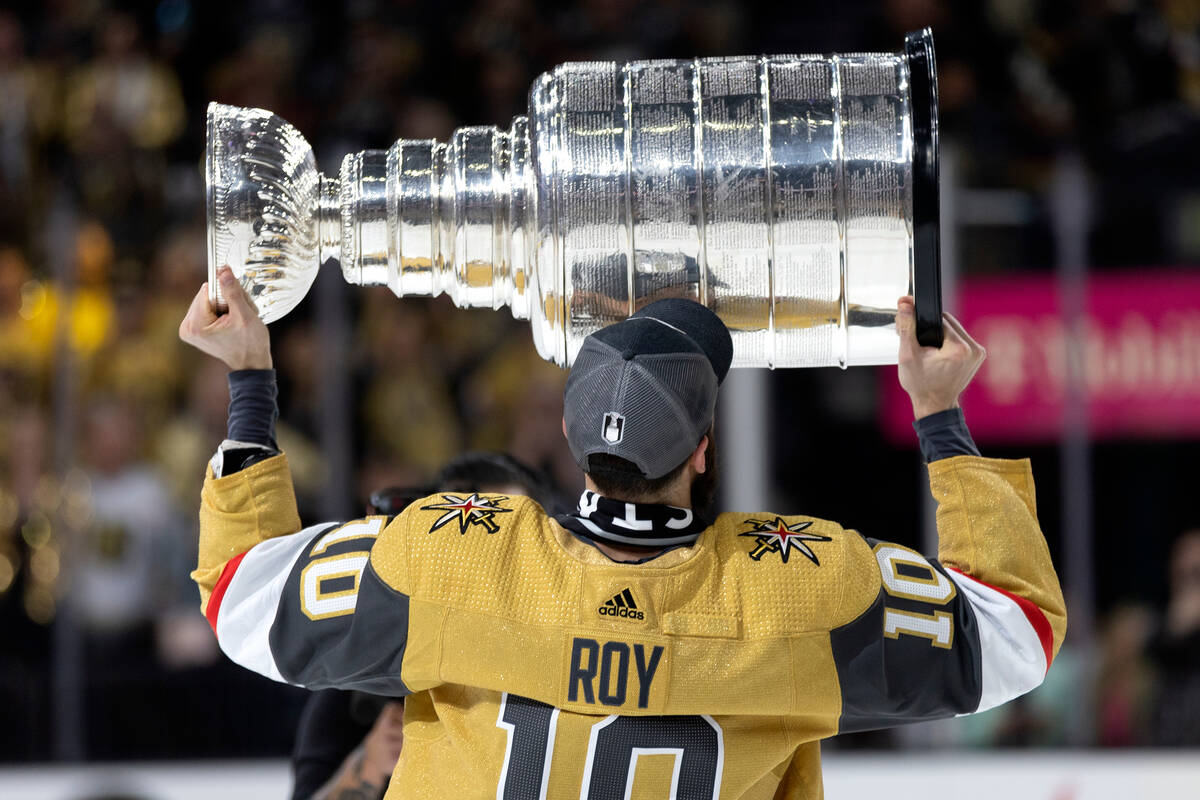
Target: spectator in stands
122,577
1123,682
123,88
1176,651
27,111
132,527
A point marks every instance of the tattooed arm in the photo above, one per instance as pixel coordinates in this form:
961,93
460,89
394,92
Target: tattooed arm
365,773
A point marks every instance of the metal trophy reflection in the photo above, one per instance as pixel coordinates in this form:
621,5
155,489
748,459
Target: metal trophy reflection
796,196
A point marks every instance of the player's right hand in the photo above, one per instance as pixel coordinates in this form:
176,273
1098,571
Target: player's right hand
237,336
935,377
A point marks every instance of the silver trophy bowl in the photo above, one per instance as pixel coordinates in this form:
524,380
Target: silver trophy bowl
796,196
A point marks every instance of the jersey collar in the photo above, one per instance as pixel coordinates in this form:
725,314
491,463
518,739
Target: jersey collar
600,518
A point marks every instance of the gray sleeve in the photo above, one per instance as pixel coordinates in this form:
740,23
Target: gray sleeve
253,406
945,434
253,409
363,650
309,609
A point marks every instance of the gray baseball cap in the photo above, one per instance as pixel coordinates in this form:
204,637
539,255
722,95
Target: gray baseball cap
645,389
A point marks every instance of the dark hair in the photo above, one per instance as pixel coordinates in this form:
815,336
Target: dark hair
472,471
469,472
620,479
391,500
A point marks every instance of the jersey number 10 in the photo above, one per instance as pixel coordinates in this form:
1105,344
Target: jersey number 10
908,575
615,743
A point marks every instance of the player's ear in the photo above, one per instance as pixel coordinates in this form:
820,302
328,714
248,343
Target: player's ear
564,422
698,458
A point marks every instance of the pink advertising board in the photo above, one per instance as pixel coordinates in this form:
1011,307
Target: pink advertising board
1140,358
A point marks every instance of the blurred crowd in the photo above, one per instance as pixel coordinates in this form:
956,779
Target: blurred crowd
107,420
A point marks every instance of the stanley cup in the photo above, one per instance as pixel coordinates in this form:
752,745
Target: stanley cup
796,196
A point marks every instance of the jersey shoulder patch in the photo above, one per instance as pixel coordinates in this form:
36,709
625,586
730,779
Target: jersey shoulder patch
794,572
489,553
443,523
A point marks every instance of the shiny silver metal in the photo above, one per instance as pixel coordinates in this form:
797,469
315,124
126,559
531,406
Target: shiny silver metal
777,190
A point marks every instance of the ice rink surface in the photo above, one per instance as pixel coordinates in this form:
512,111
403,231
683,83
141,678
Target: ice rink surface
1066,775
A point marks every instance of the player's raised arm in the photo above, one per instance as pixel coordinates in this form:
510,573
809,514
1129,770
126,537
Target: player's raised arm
282,599
980,624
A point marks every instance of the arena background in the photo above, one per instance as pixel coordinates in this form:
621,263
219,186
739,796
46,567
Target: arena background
1071,239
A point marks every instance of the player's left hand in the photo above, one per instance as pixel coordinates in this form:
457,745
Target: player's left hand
934,377
237,336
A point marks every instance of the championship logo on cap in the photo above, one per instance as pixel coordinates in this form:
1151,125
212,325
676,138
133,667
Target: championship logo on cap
614,427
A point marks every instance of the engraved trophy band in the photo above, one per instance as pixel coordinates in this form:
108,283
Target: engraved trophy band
796,196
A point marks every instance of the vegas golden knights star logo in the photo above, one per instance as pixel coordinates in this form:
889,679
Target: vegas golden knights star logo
468,511
776,536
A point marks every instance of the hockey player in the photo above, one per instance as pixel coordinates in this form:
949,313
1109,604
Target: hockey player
633,648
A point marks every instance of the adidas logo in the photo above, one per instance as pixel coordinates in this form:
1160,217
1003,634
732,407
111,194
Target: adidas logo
621,605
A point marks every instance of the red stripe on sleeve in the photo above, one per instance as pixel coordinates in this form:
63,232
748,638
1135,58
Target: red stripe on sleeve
1037,619
218,592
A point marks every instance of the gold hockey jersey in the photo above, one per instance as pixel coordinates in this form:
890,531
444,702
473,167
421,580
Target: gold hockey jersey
535,667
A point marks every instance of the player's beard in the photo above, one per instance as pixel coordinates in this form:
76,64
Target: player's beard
704,487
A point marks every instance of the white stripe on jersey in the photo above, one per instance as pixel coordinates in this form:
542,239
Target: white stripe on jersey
1013,659
252,598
